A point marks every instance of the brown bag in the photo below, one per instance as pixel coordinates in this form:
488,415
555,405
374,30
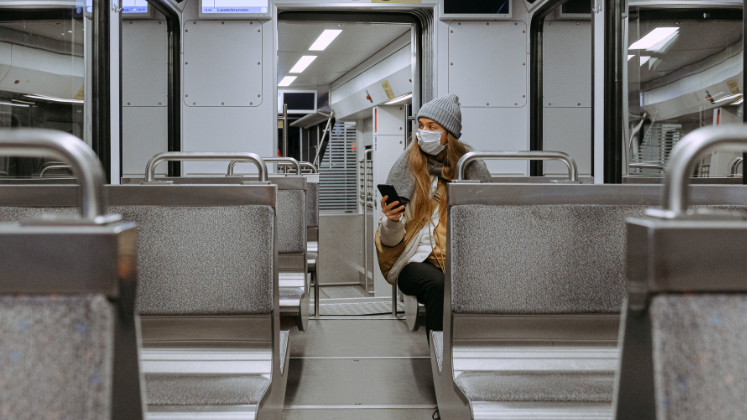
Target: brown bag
388,255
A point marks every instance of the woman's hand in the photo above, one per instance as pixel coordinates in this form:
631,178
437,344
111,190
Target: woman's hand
391,211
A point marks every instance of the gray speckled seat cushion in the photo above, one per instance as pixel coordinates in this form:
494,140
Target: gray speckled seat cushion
195,260
700,356
203,260
312,204
291,213
204,389
539,259
437,341
57,355
538,386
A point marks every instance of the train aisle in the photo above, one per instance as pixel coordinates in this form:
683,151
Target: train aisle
359,368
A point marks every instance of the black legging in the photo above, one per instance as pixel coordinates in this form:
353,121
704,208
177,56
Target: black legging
425,281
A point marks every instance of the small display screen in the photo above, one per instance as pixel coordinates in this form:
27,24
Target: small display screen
477,7
134,6
235,6
299,100
576,7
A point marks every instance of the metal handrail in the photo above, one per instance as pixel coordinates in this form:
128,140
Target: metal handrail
646,165
285,129
320,141
291,161
150,167
367,156
735,166
52,168
522,155
305,165
683,159
85,165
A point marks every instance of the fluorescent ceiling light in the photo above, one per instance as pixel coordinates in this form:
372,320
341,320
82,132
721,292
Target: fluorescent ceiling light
53,99
12,104
304,62
287,80
325,39
630,56
644,59
663,45
399,99
654,38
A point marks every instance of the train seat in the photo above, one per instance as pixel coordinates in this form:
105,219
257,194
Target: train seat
535,284
312,233
294,279
69,331
683,352
207,292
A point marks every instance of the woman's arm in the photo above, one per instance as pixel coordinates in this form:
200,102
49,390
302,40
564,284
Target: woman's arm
392,223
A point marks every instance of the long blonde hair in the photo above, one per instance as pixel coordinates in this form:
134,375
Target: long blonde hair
421,198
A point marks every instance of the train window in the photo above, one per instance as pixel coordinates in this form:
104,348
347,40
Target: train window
42,76
684,71
566,82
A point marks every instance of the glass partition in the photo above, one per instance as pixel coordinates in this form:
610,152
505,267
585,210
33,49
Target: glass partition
684,71
42,76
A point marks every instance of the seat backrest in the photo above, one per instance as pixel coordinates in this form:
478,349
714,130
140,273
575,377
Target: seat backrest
204,259
547,249
202,249
68,327
312,200
543,259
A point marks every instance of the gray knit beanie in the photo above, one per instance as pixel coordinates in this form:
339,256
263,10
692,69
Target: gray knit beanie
445,111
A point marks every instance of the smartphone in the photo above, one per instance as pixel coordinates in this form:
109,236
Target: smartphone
386,189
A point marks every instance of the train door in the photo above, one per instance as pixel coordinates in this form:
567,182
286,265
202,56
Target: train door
345,88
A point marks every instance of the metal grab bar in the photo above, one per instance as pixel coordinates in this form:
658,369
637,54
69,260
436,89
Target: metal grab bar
292,161
367,156
52,168
85,165
646,165
523,155
150,167
735,166
682,161
305,165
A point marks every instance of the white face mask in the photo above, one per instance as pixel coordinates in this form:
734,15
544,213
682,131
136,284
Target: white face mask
430,141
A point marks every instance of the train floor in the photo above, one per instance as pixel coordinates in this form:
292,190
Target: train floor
358,368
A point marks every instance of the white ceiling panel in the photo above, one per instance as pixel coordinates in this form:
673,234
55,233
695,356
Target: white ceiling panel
355,44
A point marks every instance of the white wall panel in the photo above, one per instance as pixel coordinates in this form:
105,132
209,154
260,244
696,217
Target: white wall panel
145,45
487,129
223,63
232,129
145,133
568,130
487,63
567,64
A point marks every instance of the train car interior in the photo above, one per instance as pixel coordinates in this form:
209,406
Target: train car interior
196,217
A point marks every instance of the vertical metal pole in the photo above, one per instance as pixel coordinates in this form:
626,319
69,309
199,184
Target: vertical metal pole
394,300
300,144
406,127
365,216
285,130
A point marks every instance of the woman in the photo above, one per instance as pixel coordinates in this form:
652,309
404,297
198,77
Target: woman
411,239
